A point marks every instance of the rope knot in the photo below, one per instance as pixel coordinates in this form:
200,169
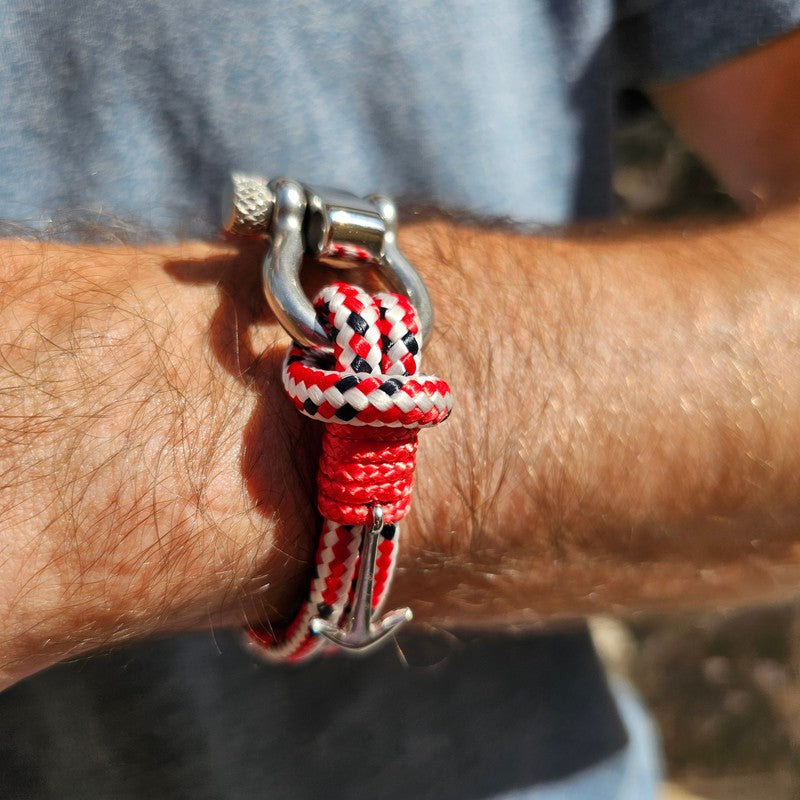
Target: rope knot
370,391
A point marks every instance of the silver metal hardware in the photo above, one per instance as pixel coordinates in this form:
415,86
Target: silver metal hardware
247,204
362,632
331,225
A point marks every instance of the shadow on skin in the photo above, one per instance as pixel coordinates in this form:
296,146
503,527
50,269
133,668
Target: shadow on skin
279,449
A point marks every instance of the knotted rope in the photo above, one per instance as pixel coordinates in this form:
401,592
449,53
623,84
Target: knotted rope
368,391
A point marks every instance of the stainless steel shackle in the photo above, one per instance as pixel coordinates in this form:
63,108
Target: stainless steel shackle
334,226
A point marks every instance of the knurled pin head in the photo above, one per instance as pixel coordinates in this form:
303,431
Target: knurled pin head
247,203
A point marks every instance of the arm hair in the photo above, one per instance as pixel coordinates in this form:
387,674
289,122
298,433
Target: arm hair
626,435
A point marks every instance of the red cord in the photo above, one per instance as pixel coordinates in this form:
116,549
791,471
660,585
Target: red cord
369,393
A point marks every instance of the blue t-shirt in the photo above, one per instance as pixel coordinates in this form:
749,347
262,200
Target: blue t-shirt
137,112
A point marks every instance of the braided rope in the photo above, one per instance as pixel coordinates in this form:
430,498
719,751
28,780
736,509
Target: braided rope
368,391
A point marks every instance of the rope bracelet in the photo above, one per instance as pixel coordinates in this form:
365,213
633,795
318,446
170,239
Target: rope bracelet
354,364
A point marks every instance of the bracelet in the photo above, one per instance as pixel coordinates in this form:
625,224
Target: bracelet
354,364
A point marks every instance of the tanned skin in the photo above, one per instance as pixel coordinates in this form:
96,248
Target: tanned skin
627,432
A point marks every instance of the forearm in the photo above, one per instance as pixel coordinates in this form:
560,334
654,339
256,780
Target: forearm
626,431
151,469
627,426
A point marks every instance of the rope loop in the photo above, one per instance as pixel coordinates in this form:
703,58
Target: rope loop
368,382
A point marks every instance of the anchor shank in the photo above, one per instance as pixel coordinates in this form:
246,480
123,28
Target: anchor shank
362,605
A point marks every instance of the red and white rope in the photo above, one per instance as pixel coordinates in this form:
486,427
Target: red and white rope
369,392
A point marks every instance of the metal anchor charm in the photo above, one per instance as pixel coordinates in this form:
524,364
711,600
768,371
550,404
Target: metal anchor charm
361,632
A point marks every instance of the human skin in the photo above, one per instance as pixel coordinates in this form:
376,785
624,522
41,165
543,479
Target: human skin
626,435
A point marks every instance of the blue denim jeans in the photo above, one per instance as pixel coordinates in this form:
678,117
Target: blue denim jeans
635,773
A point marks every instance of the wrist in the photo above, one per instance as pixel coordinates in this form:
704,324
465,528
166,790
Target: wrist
155,474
